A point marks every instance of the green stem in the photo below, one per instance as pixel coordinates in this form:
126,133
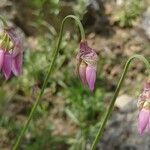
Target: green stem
47,76
5,42
3,21
111,106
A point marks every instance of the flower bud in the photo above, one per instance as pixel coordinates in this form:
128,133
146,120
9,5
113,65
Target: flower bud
144,106
86,65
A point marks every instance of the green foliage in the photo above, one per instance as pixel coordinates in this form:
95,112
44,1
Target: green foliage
80,8
129,12
83,108
50,5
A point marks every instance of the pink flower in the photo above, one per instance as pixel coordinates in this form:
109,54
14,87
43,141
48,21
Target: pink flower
86,65
144,106
144,121
91,77
1,58
11,57
6,68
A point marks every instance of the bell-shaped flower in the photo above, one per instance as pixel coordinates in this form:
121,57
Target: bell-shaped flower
144,106
86,65
11,57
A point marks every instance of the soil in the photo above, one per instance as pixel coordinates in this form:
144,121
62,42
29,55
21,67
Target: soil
114,45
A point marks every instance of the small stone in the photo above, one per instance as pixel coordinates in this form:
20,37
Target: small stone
123,101
119,2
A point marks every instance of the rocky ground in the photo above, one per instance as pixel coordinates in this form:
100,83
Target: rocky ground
115,45
121,132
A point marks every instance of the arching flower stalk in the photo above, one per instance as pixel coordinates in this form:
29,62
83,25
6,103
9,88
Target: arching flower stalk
144,108
87,63
49,73
144,116
11,53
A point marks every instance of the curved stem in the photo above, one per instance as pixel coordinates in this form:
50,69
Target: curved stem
48,75
111,106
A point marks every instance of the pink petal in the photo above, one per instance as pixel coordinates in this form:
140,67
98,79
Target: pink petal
91,77
82,72
17,64
7,66
143,121
149,125
1,58
147,129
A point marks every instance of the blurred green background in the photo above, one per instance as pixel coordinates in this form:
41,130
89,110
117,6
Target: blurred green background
68,115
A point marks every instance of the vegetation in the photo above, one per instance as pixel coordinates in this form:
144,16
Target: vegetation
69,115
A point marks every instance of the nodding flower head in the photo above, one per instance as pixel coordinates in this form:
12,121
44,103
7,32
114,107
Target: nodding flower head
87,65
144,107
11,53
